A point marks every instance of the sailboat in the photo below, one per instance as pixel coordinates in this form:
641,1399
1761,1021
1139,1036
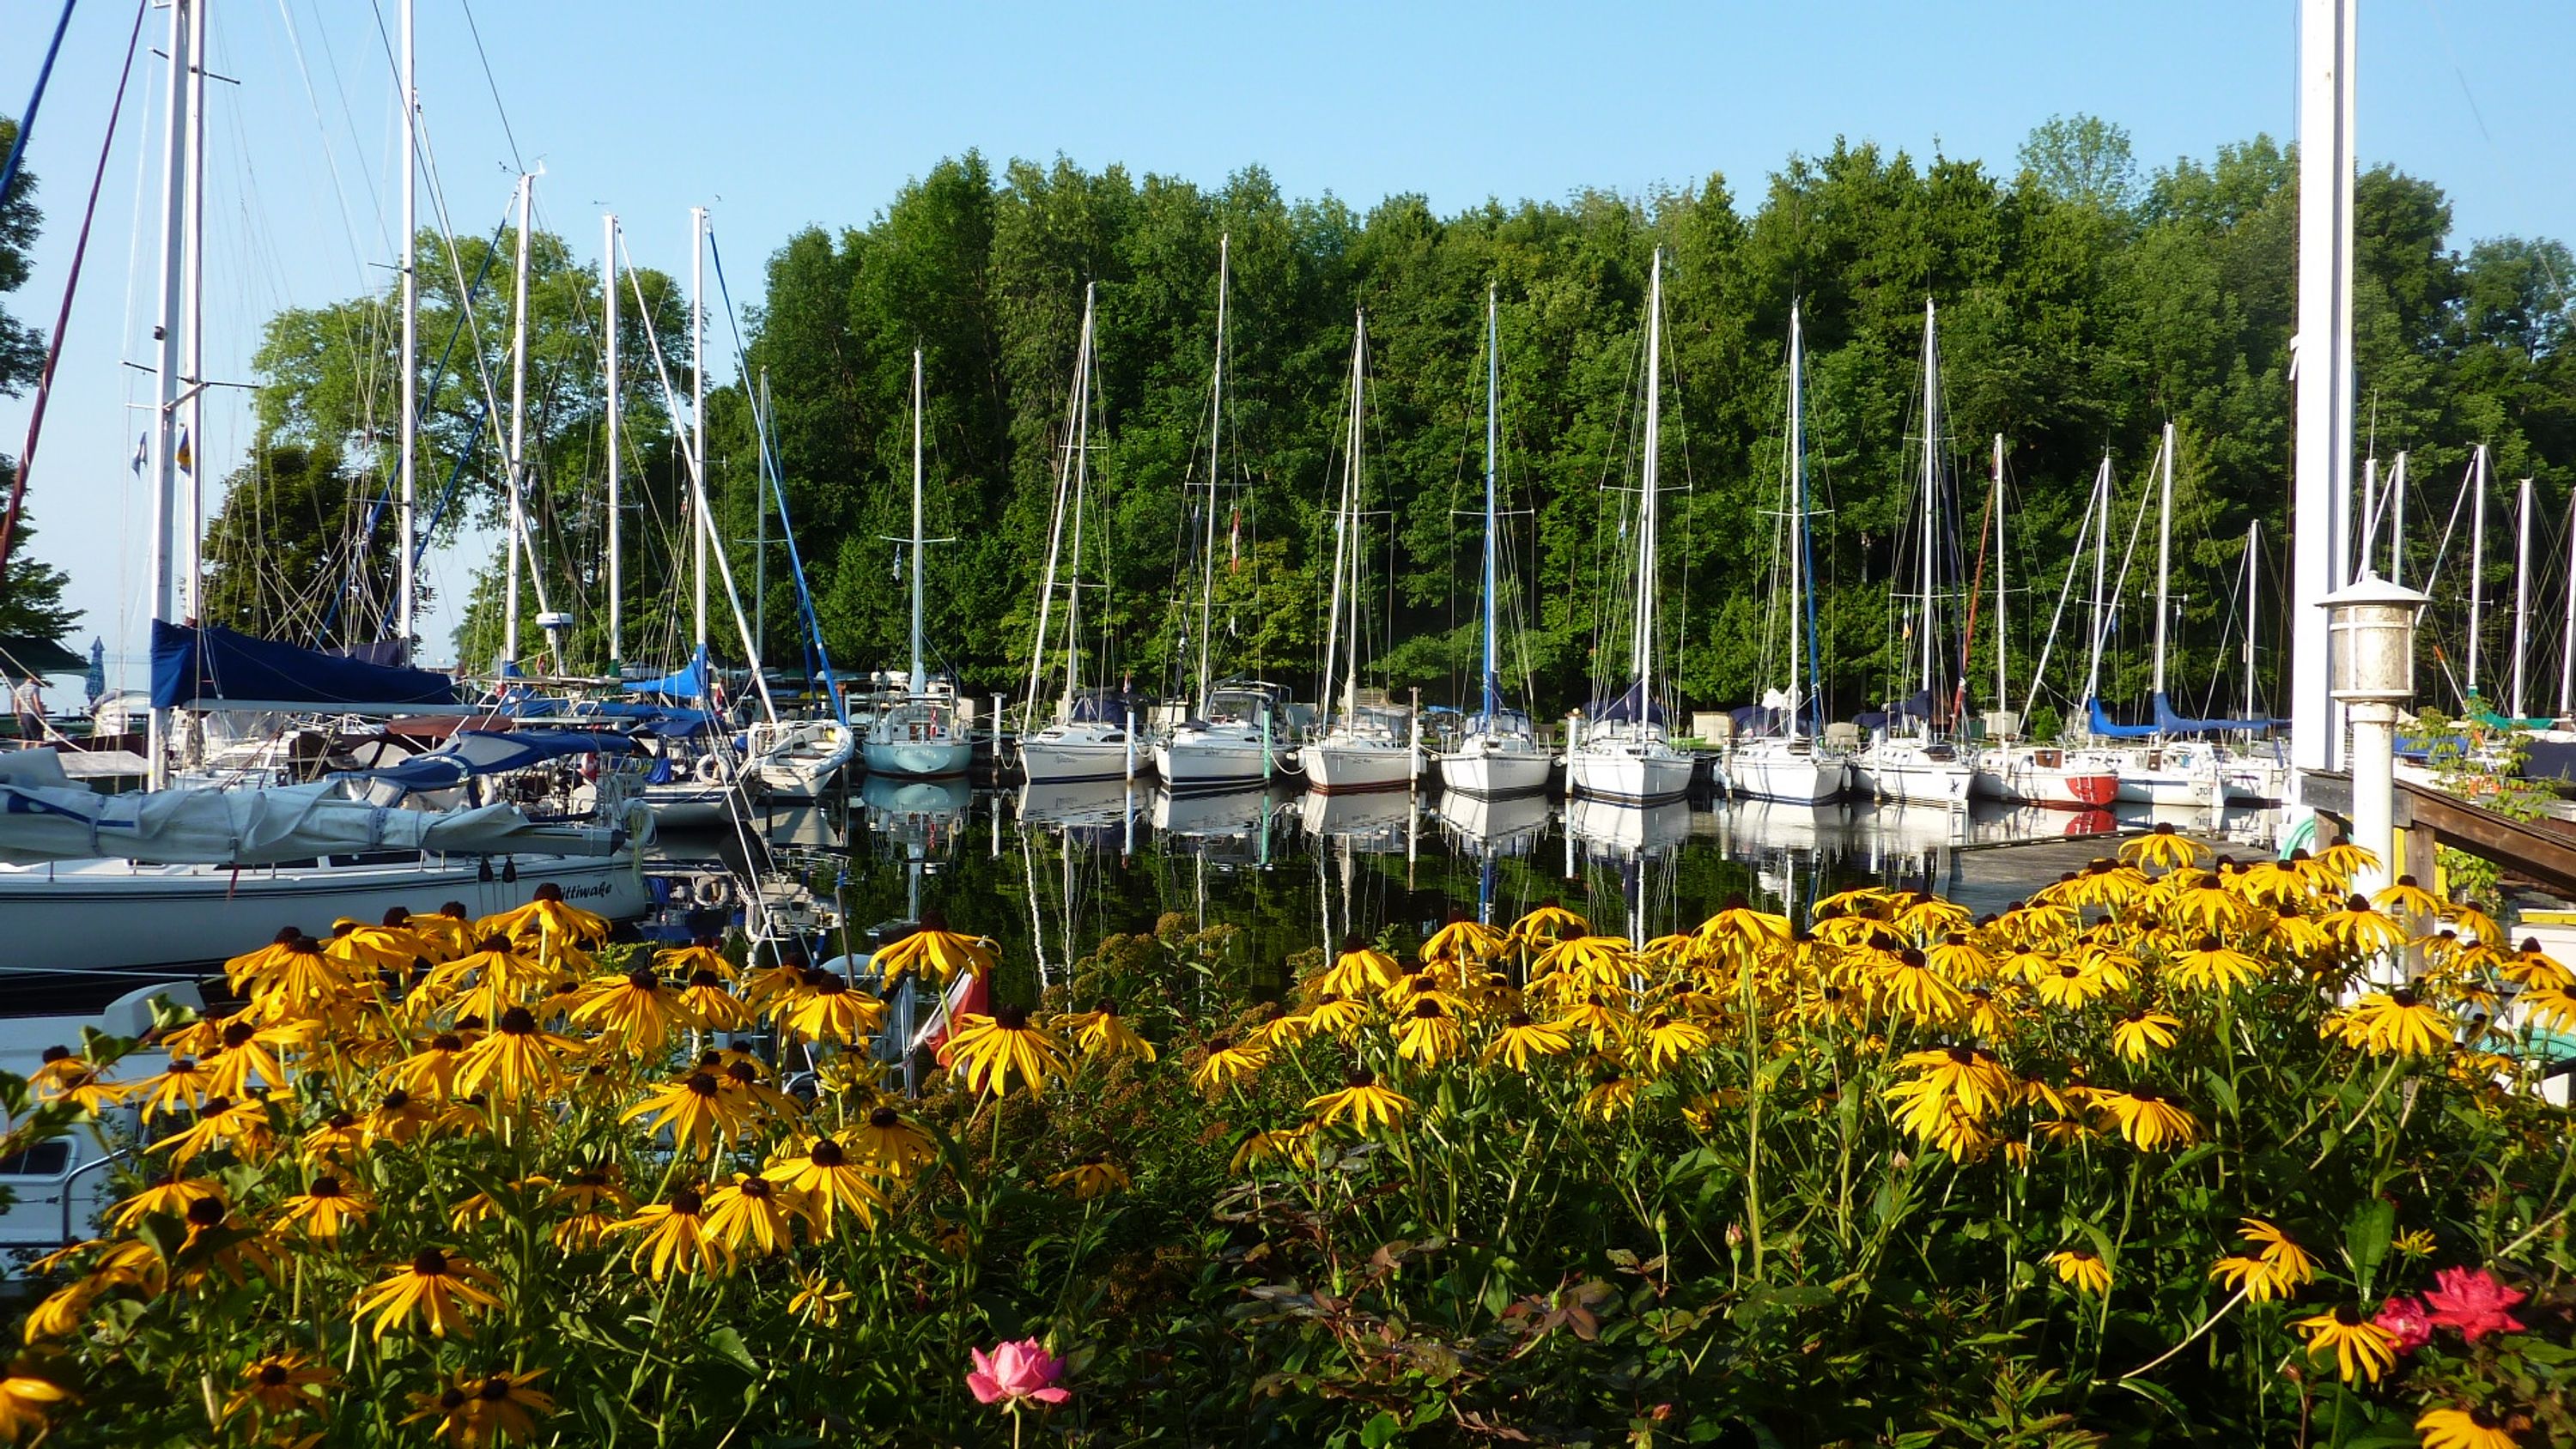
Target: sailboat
1909,761
2008,768
1500,753
1790,766
1623,755
1227,743
1085,741
919,735
1359,747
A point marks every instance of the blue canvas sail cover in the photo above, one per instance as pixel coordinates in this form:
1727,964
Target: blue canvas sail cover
207,666
687,682
2110,729
1626,707
1917,705
2168,722
469,753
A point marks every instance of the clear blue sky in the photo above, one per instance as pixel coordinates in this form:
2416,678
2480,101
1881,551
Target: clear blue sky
777,116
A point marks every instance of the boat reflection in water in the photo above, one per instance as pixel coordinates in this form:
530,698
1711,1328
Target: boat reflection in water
929,814
1381,823
1608,830
1088,806
1482,825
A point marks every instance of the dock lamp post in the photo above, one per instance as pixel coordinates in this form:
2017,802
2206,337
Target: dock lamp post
2371,654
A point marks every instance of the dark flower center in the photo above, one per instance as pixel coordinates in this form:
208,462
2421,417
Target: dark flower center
429,1263
325,1187
549,892
206,1212
451,1400
519,1021
238,1033
1011,1017
495,1389
271,1375
687,1201
497,945
699,980
397,1099
756,1187
827,1153
884,1117
642,980
447,1041
2402,998
1520,1018
2209,943
742,1073
703,1083
824,983
1427,1009
1362,1077
341,1122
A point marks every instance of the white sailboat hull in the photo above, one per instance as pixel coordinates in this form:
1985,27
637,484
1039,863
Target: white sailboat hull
1061,754
1215,757
2027,775
801,759
1346,765
923,759
1907,773
1486,765
114,915
1774,770
1626,771
696,804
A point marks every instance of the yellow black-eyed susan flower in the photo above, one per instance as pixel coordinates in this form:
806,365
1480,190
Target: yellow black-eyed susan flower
818,1300
279,1383
1548,921
936,952
171,1195
891,1142
327,1205
823,1007
2141,1034
989,1051
1521,1039
2363,1350
1228,1062
26,1400
1360,1102
708,1005
2449,1428
437,1287
1101,1033
696,1111
674,1236
751,1214
831,1181
1293,1146
479,1409
635,1012
2161,847
1668,1039
2081,1270
1463,940
1427,1034
516,1062
2147,1120
1094,1176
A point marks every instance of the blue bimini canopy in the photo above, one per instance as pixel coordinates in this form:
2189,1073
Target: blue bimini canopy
471,753
210,667
1626,707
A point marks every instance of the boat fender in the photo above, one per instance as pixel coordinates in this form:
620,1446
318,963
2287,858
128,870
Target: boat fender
715,890
590,767
710,769
676,891
483,870
509,872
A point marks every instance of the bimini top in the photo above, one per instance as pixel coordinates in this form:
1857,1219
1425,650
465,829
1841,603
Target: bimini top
472,753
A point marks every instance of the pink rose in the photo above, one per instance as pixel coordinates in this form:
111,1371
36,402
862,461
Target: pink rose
1016,1372
2473,1301
2405,1318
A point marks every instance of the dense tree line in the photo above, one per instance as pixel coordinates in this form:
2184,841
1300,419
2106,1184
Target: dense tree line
32,611
2082,305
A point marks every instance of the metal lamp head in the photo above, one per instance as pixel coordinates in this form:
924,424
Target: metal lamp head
2371,640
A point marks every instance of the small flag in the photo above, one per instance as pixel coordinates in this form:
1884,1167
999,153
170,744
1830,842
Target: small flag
142,452
1234,540
186,460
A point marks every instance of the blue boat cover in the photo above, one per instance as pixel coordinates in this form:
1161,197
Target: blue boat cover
2103,725
2168,722
633,716
471,753
207,666
1626,707
687,682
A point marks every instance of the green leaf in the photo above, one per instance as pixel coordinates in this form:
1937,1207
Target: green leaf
1380,1431
2366,1235
728,1345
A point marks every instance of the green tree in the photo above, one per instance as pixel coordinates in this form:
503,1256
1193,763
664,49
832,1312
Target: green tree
32,611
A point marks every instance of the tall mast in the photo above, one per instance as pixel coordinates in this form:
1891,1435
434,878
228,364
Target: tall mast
406,512
1346,546
2164,553
2253,615
698,405
2003,691
2521,592
2397,521
2101,560
2567,643
920,677
518,432
1082,365
1493,436
616,503
1643,647
1931,484
1796,523
191,583
165,452
2477,559
1055,533
1216,425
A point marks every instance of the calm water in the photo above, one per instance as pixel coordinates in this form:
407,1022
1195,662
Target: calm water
1048,872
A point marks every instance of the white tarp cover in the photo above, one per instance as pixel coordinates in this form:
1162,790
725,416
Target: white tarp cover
43,819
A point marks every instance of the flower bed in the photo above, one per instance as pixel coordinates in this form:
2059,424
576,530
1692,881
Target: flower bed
2144,1159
